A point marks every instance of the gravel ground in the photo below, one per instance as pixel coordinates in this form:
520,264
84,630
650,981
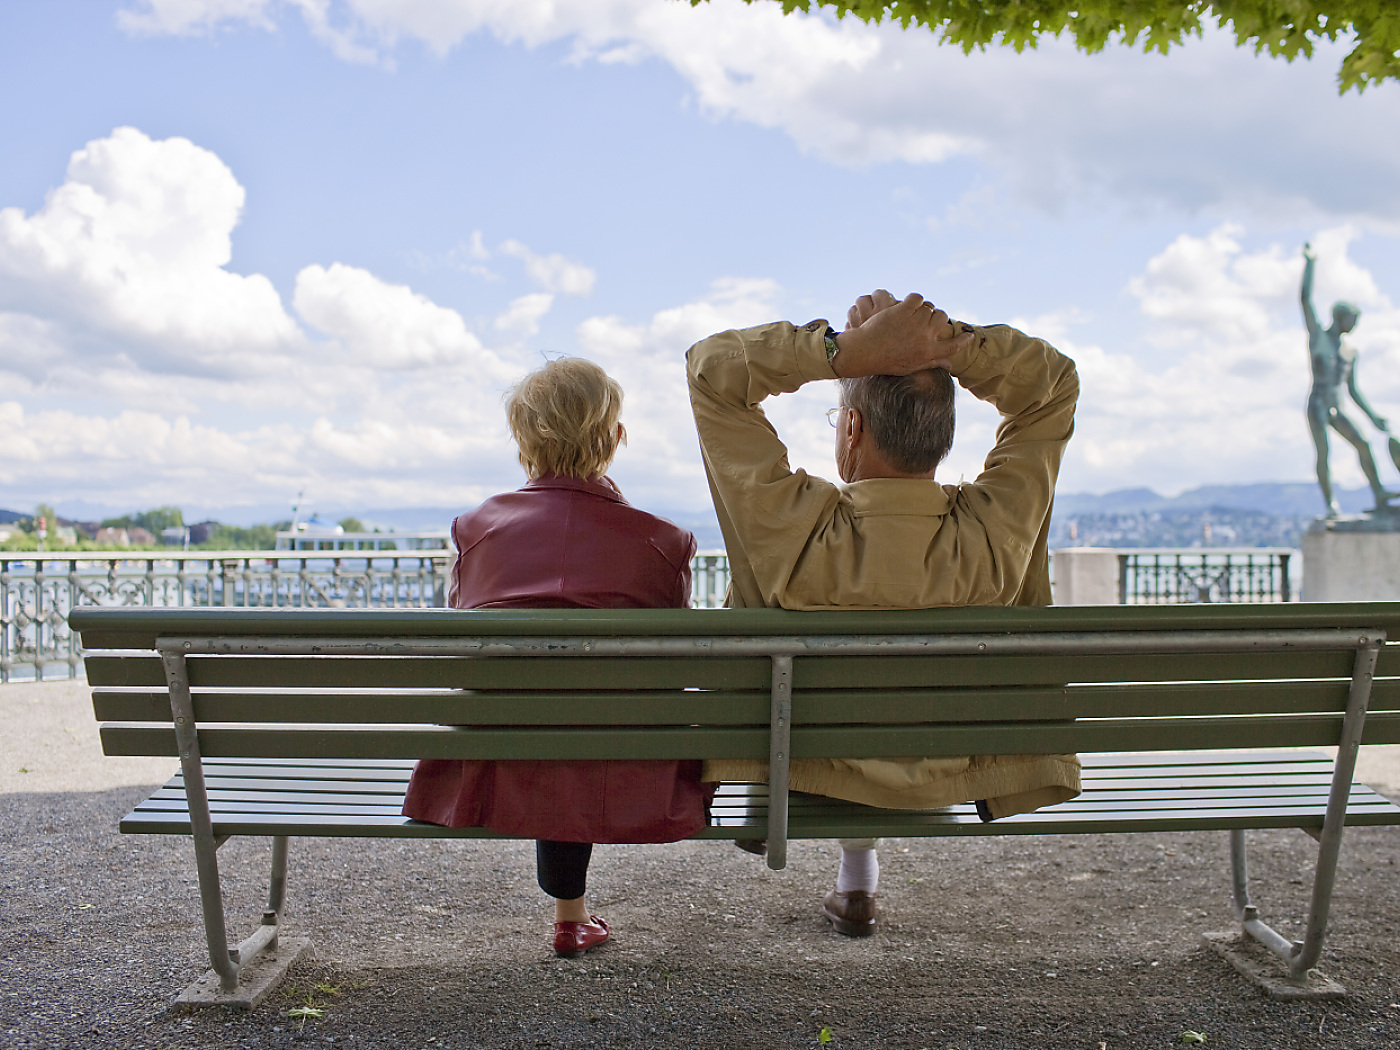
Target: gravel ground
1090,942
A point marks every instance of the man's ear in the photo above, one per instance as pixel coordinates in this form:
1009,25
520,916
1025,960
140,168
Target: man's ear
855,427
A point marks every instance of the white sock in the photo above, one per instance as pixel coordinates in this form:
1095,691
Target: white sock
860,870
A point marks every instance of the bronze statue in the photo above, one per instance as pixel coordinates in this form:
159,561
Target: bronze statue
1333,367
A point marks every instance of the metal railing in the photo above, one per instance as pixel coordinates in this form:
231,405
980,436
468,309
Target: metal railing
1169,577
37,591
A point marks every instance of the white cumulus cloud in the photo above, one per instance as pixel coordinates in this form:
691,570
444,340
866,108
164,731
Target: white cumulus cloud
1209,124
386,325
134,244
136,368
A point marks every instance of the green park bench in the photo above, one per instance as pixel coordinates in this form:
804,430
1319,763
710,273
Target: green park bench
306,723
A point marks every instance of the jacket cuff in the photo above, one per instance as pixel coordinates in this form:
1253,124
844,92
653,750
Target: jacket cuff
809,351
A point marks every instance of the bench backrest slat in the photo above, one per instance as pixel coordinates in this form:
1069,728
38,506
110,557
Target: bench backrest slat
855,741
814,707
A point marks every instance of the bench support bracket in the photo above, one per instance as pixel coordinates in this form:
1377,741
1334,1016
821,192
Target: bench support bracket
1302,956
228,963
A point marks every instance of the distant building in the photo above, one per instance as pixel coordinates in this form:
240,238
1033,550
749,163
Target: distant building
140,537
175,536
201,531
110,537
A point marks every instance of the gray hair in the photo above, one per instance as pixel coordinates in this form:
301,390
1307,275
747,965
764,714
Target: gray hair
910,417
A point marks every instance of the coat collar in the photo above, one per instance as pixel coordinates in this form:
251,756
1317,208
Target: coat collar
900,496
601,486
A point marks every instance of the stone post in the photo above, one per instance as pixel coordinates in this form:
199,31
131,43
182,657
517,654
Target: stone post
1342,565
1085,576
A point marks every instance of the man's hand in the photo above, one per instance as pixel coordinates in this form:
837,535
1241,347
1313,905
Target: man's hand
884,336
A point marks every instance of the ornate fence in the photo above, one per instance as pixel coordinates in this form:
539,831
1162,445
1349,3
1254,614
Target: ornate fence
37,591
1168,577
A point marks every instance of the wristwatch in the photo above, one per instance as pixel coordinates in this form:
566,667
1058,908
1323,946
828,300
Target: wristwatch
831,346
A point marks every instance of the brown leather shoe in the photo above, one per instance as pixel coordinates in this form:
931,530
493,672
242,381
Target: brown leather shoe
852,912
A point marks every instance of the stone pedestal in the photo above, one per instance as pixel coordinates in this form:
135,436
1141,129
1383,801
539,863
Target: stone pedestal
1086,576
1342,564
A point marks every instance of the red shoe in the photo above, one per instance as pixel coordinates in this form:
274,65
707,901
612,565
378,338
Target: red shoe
572,939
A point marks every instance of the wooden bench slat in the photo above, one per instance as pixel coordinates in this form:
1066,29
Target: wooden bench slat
443,742
657,707
740,742
900,672
1206,764
660,707
827,824
442,672
322,803
139,628
817,672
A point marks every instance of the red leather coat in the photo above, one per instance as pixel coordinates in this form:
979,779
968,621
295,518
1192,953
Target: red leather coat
565,543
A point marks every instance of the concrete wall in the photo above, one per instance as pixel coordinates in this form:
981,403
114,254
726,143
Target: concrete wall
1086,576
1351,566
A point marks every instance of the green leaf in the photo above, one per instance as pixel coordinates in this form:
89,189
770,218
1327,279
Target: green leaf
1286,29
306,1011
824,1036
1189,1036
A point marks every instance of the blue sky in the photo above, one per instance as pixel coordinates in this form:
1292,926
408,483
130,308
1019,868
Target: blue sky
255,247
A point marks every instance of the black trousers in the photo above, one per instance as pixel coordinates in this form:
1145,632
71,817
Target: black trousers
562,867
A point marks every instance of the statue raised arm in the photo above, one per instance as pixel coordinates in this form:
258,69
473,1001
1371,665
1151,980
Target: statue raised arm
1334,368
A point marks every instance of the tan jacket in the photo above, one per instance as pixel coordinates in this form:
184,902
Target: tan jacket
799,542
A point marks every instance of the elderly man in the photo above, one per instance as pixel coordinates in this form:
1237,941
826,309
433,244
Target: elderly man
890,537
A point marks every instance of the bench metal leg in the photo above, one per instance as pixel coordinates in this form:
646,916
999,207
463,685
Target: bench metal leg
206,848
1302,956
229,964
277,884
779,755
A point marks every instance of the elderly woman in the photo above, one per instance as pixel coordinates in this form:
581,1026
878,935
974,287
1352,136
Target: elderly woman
566,540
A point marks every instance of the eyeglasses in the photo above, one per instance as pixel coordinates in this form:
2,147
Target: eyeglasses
832,413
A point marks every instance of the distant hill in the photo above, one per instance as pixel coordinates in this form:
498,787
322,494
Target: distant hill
1258,515
9,517
1289,498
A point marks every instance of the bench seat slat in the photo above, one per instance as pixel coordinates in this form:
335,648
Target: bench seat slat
353,805
284,792
1244,797
829,822
1173,760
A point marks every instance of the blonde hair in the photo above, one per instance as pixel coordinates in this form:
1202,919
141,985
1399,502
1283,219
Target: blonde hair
564,419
